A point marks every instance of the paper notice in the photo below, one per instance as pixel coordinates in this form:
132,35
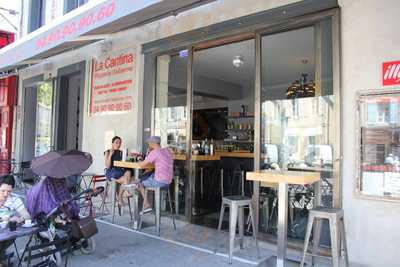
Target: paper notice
108,136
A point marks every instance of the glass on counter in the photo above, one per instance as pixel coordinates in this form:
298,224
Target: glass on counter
379,145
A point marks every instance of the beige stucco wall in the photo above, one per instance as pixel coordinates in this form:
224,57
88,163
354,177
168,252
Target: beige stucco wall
369,36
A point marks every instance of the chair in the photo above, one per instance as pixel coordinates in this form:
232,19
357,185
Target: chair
157,199
26,176
338,236
8,258
44,253
95,180
236,206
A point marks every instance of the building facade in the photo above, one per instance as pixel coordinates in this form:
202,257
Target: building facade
226,63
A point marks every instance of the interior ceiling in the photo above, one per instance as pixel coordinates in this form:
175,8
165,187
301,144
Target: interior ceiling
285,56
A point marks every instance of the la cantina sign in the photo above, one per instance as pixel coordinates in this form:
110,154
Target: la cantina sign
391,73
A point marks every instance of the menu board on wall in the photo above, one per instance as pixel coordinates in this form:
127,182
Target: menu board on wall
112,83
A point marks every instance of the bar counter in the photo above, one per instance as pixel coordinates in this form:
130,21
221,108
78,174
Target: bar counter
217,156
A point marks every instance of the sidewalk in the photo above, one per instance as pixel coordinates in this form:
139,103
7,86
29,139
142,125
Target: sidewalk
118,247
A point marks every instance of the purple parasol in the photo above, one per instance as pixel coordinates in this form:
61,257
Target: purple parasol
60,164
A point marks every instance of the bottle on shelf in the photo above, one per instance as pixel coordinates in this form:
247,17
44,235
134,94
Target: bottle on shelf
206,147
212,147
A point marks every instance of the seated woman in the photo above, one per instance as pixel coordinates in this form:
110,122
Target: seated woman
11,209
120,175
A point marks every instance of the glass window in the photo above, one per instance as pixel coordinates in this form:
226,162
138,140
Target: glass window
297,119
44,118
36,16
170,117
70,5
379,141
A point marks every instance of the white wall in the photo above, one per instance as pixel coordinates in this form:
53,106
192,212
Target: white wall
369,37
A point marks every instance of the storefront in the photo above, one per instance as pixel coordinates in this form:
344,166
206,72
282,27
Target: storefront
269,85
261,98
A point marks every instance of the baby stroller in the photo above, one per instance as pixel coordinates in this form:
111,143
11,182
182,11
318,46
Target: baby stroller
61,223
51,205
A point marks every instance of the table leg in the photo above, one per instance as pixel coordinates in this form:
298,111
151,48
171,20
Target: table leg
282,224
176,194
136,203
194,208
201,183
23,253
113,192
317,194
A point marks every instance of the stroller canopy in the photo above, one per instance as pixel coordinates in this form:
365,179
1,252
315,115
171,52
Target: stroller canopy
49,193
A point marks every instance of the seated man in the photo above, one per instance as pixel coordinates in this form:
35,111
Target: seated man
11,209
163,162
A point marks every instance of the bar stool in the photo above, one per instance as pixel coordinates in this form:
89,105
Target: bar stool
338,236
114,191
157,199
236,206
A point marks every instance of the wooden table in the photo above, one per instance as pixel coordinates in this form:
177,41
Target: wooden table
136,168
283,178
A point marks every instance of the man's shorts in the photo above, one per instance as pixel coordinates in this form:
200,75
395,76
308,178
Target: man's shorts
152,182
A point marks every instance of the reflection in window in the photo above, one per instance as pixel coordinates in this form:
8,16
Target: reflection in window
170,101
297,118
44,110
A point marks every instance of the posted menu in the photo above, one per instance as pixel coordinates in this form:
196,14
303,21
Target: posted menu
112,83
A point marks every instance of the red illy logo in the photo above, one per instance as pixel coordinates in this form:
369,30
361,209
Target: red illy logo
391,73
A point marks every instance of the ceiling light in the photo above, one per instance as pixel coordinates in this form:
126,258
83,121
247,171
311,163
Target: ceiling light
237,61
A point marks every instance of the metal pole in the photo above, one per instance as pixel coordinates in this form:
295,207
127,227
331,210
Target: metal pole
189,179
282,223
257,131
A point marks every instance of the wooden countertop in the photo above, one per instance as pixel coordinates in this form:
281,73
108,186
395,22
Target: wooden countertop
129,165
197,157
289,177
216,156
226,154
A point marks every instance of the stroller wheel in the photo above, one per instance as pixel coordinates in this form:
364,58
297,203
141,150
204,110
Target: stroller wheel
88,246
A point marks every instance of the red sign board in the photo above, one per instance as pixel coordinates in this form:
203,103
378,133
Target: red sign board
391,73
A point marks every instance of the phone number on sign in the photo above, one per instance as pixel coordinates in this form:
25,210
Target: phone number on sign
127,106
77,25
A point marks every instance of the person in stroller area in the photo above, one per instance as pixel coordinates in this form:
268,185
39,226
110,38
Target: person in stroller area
49,193
12,208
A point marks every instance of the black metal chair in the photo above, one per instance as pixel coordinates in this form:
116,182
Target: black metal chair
8,259
26,177
43,254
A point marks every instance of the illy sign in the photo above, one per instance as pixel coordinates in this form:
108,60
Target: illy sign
391,73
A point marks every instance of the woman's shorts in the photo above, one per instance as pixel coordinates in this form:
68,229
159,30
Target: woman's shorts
114,173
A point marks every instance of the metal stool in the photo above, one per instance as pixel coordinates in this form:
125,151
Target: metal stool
338,236
157,201
114,191
236,216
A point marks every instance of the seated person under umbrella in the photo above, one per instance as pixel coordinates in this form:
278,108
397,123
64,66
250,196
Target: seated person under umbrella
46,195
11,209
52,190
162,160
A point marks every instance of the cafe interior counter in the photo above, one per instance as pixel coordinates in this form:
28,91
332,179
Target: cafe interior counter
217,156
